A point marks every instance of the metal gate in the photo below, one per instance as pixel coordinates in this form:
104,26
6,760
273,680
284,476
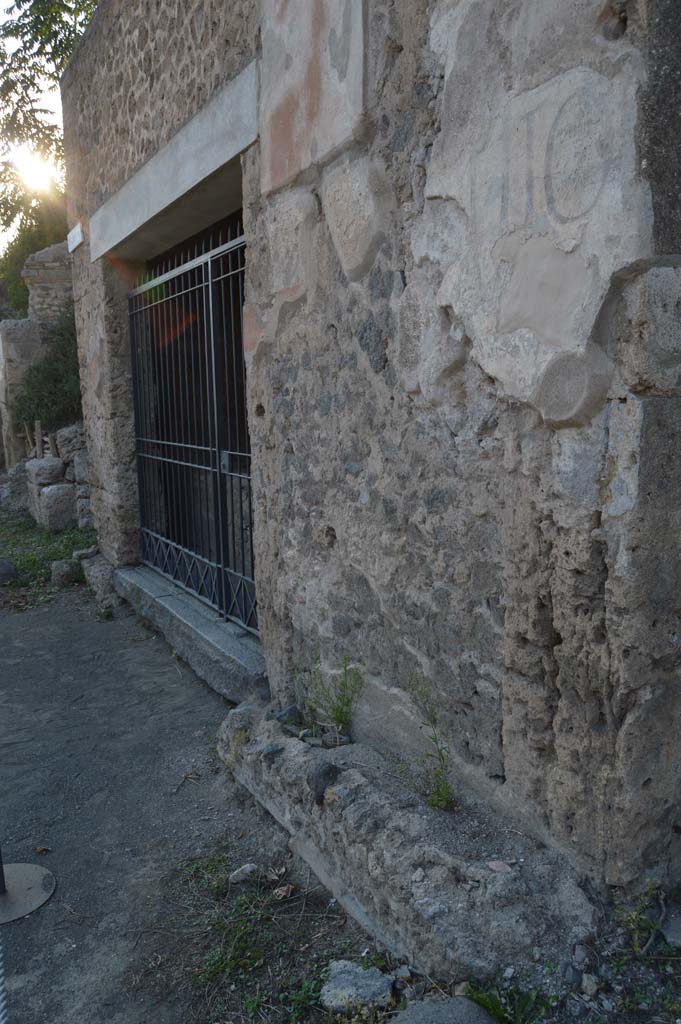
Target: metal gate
193,448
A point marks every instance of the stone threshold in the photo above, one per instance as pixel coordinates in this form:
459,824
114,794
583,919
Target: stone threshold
227,658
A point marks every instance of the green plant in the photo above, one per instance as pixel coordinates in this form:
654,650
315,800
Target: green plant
243,941
253,1004
633,916
301,1000
436,763
512,1007
50,390
46,226
331,702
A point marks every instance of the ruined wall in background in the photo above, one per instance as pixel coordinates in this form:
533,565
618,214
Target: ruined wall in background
464,363
140,73
48,276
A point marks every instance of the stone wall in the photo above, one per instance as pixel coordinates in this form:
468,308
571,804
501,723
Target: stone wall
140,73
463,364
48,276
463,360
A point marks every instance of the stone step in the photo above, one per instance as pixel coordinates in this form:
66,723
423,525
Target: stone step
226,657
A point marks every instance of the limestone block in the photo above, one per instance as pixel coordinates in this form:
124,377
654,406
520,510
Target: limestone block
56,507
66,572
42,472
99,577
355,200
541,159
312,83
70,441
290,220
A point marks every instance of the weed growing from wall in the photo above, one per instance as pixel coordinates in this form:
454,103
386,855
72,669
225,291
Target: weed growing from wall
329,703
436,764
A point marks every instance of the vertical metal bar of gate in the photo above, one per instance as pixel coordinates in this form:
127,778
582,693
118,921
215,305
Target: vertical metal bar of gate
193,448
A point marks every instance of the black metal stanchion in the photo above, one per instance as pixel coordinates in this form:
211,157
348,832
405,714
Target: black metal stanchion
23,888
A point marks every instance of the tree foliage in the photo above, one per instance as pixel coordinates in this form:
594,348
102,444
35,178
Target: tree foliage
50,390
46,225
37,39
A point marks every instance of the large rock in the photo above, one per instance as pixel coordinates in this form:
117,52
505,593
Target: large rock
444,1011
43,472
56,507
351,988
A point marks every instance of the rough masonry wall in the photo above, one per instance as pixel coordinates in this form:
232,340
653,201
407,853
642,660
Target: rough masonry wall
463,346
140,73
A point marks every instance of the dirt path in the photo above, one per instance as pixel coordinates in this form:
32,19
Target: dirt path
106,761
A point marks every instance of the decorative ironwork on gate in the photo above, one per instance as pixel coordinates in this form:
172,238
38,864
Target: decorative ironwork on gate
193,447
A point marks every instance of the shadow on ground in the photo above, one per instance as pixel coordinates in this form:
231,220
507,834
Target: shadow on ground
108,766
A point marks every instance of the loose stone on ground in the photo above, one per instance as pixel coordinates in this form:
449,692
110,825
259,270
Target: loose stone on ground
443,1011
352,988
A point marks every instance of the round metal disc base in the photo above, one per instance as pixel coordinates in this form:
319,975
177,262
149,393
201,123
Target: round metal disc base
28,887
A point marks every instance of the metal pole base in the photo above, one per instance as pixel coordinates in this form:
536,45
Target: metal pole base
28,887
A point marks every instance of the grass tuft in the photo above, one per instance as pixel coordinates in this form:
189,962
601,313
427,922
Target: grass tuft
33,549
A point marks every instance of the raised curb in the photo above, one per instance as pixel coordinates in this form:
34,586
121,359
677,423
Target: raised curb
224,656
422,884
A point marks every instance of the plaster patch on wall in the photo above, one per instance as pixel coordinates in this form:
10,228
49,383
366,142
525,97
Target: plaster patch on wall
546,177
312,85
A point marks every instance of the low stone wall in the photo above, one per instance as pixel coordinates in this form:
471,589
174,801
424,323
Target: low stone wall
58,489
460,895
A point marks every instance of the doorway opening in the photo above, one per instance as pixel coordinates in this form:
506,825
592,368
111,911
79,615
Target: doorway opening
191,424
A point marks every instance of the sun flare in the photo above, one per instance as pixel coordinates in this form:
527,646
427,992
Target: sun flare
37,174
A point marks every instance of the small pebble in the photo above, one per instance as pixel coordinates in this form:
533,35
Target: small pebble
589,984
243,873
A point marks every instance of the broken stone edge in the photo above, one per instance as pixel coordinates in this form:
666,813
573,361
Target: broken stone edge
229,660
450,917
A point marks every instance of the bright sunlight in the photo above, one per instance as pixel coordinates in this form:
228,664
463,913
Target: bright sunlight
37,174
